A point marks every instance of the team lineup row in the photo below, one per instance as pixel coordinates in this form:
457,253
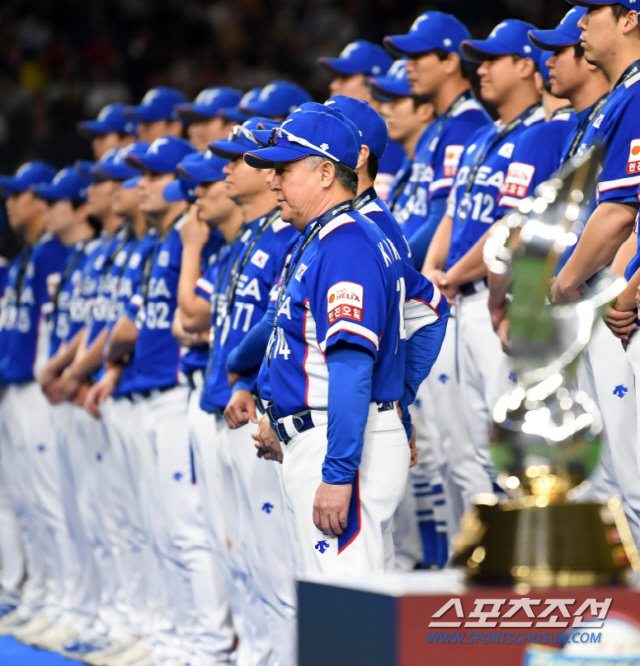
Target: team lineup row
227,360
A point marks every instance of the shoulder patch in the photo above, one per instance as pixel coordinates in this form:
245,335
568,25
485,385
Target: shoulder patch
259,258
519,177
452,156
345,299
633,161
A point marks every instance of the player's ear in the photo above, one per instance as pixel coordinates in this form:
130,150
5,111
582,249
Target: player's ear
452,63
327,171
526,67
629,21
363,156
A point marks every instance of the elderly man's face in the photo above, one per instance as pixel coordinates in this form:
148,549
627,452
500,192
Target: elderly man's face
293,183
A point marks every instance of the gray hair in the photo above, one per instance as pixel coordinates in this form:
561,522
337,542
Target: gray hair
345,175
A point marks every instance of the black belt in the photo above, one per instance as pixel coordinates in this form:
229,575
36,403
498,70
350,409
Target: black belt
470,288
303,421
195,379
136,396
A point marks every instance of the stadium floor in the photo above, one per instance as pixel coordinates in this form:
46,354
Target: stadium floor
14,653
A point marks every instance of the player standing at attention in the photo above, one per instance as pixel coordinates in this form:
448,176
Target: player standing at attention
335,380
156,115
113,128
454,261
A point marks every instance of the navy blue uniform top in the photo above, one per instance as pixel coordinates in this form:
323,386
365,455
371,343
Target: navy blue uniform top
32,280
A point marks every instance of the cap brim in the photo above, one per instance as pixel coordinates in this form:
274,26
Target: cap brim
477,51
386,87
131,182
191,113
145,115
174,192
342,66
582,3
91,128
233,114
9,186
400,45
266,158
48,193
230,149
201,173
550,40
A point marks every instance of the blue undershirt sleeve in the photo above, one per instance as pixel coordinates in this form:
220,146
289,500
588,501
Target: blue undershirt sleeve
421,239
350,380
248,355
423,348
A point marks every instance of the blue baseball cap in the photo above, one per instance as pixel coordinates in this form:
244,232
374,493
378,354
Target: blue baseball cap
112,165
131,182
26,177
181,189
277,100
157,104
369,123
203,167
239,113
359,57
566,33
241,139
430,31
306,133
510,37
208,103
395,83
162,156
68,183
112,118
629,4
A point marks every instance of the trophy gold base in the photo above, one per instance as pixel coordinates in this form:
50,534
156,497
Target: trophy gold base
520,542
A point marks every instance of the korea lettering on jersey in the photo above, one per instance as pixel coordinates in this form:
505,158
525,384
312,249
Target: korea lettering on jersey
156,360
107,294
410,205
62,328
535,159
32,281
473,209
250,300
128,287
196,358
336,293
617,128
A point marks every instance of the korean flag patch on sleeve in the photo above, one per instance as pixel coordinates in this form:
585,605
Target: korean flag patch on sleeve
345,300
633,162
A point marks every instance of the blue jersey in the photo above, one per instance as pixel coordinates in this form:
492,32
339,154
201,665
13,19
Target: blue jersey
128,286
32,280
107,273
196,358
334,294
536,158
156,358
240,289
409,188
369,204
616,126
390,163
4,272
473,202
62,327
437,158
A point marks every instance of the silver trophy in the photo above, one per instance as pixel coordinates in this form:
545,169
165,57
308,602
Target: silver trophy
545,439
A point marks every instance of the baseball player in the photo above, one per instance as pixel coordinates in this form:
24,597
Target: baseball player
218,211
160,396
332,468
434,68
357,61
407,117
156,115
508,66
111,129
607,233
251,279
27,457
203,115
